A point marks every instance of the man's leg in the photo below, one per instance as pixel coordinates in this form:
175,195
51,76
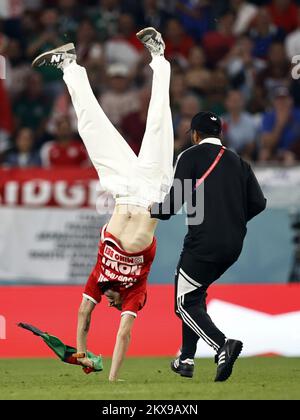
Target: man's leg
109,152
154,168
158,141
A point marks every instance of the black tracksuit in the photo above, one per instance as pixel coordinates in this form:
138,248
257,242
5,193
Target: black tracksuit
232,197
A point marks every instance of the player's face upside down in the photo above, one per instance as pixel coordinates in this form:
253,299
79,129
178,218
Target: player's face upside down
127,247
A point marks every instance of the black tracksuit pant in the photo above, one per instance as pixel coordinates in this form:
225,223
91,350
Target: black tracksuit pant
217,220
191,283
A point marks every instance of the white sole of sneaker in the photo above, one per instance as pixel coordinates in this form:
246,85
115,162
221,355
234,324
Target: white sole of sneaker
62,49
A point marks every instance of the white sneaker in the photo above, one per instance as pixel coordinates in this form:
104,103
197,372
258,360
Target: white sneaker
57,57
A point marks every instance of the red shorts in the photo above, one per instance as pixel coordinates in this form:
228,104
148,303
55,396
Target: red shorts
121,271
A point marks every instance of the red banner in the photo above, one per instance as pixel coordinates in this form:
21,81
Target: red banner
65,188
265,317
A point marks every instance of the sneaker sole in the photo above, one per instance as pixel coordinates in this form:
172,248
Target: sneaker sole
63,49
182,373
227,371
149,31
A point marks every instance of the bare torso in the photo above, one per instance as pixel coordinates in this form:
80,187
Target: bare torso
133,227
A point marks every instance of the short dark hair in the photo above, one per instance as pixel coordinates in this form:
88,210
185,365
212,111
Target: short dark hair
206,135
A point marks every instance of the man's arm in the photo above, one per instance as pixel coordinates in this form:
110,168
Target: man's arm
256,202
176,197
84,319
121,346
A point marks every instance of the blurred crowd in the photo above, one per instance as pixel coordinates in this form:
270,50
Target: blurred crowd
232,57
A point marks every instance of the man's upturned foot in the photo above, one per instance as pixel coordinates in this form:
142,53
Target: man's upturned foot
57,57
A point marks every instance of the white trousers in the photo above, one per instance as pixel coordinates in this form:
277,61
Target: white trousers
132,180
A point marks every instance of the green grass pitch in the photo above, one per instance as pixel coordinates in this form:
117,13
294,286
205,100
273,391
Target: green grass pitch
149,378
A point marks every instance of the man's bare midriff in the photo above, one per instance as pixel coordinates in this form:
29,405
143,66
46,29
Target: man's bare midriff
133,227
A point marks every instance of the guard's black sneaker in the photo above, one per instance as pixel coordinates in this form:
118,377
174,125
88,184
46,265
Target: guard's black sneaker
152,39
183,367
226,358
57,57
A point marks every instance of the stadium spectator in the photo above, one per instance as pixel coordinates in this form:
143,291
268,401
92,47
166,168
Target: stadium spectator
105,16
127,31
62,107
32,107
218,43
196,58
214,100
239,126
49,37
69,17
123,48
17,69
258,102
189,104
133,125
264,33
65,149
119,100
136,9
3,42
245,13
195,16
33,5
241,67
292,42
280,128
277,71
255,60
11,9
23,154
178,43
87,46
284,14
153,14
198,77
178,90
29,28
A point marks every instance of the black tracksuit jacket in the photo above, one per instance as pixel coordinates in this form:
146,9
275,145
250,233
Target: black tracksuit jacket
232,197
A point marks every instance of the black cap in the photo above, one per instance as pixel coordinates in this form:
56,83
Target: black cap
207,122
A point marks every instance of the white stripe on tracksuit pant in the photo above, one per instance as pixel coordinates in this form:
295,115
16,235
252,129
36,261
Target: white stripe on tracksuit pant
134,180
